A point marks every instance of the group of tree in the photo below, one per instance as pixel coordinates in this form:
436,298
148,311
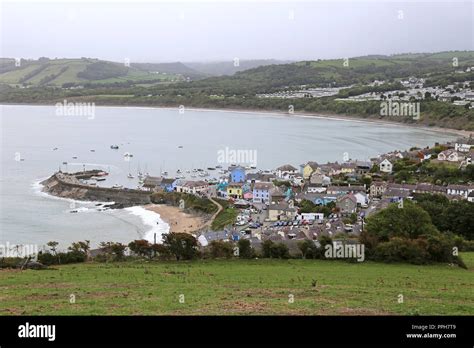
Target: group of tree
406,233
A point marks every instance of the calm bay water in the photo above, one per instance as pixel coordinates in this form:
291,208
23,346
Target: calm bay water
159,139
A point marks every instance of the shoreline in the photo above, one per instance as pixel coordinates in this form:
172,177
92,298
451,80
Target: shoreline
334,117
177,220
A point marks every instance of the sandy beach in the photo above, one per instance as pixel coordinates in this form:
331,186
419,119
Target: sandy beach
178,220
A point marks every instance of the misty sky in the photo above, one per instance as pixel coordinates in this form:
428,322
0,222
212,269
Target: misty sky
205,31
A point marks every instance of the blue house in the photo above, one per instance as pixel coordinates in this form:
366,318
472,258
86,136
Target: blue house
168,184
237,174
261,192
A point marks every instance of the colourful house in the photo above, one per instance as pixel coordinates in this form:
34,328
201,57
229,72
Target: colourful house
308,169
237,174
261,192
234,190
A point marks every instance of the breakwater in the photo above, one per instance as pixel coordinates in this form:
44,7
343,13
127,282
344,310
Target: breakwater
69,186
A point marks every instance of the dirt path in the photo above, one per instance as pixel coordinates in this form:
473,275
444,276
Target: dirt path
219,209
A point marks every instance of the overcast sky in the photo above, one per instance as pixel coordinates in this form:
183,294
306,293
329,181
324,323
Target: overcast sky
206,31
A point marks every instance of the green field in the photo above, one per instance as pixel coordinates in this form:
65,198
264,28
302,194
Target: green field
69,75
237,287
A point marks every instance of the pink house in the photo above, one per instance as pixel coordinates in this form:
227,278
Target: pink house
248,195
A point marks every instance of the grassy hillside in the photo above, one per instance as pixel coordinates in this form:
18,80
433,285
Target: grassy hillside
240,287
230,68
57,72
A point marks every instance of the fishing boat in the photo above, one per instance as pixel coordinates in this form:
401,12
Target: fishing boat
99,179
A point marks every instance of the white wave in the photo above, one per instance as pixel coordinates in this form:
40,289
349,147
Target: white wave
152,219
38,190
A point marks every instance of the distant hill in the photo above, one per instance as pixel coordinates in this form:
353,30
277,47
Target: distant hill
170,68
230,68
83,71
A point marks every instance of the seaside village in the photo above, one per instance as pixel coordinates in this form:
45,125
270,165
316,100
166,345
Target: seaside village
274,204
413,88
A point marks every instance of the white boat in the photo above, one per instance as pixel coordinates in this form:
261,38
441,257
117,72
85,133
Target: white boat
164,173
117,186
178,171
130,176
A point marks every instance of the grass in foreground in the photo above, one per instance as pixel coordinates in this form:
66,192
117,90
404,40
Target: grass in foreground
230,287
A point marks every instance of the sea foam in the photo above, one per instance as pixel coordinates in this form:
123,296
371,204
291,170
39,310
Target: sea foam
152,219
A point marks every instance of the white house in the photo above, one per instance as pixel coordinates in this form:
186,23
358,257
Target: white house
193,187
386,166
450,156
286,172
459,190
362,198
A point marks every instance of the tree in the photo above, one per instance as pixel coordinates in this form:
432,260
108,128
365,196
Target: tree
181,245
80,249
308,249
53,246
279,251
406,221
116,251
266,248
221,249
245,250
141,247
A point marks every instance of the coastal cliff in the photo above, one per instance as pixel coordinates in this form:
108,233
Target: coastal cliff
68,186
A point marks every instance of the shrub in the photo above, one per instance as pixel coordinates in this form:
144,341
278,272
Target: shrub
141,247
279,251
181,245
308,249
221,249
266,248
402,250
245,249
